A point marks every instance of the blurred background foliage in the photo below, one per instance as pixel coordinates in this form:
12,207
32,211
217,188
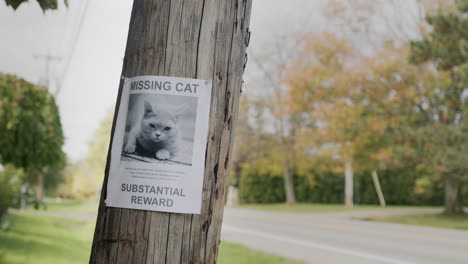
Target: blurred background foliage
31,155
400,186
395,104
84,178
399,110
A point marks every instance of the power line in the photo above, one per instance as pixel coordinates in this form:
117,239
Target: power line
73,47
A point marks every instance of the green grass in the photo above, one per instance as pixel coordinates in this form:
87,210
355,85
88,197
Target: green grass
231,253
39,239
67,205
322,208
441,221
45,239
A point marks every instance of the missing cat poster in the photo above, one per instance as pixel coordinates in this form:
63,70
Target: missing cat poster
158,149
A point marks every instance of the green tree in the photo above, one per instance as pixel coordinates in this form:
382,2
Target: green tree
328,85
79,182
377,112
442,132
255,150
98,147
45,4
10,188
31,132
83,179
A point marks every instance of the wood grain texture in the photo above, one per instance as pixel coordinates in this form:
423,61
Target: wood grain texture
203,39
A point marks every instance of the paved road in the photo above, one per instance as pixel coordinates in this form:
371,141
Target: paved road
337,238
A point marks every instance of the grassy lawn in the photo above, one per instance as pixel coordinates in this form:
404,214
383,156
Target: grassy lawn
39,239
442,221
231,253
45,239
322,208
66,205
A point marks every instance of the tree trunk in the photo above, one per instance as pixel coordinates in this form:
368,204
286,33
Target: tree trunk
461,194
349,183
232,196
289,161
452,195
40,186
289,185
203,39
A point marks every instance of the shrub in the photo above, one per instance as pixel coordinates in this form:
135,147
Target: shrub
261,188
400,187
10,188
319,188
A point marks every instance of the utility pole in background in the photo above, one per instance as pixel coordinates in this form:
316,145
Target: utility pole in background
202,39
349,183
48,59
378,189
46,83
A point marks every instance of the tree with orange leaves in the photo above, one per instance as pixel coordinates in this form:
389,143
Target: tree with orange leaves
374,112
322,84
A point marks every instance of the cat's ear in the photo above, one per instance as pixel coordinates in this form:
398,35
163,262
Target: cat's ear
148,107
180,110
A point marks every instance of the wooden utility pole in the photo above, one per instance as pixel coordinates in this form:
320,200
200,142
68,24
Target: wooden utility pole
45,82
375,177
349,183
48,59
203,39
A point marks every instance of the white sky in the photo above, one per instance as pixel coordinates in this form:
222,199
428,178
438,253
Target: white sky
90,85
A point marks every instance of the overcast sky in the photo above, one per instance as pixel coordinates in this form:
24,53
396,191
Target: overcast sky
90,85
90,82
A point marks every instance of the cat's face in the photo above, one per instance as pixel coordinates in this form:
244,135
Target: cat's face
158,125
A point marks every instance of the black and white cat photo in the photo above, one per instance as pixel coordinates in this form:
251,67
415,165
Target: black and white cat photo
160,128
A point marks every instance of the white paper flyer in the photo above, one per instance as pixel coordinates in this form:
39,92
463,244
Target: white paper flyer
158,151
